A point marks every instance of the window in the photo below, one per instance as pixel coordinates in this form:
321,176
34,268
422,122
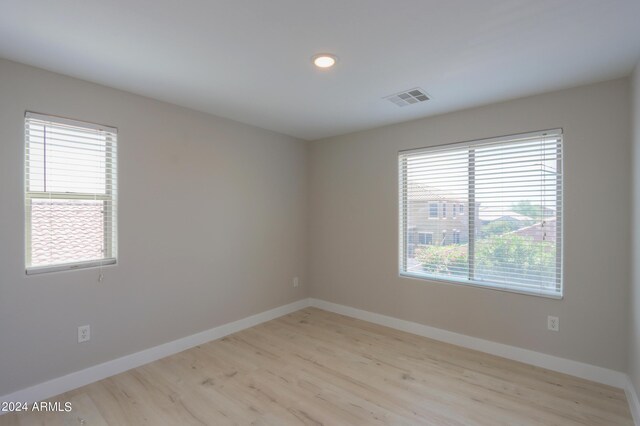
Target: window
444,210
433,210
70,194
516,179
425,238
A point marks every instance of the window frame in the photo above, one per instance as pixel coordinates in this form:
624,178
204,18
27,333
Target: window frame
110,244
470,282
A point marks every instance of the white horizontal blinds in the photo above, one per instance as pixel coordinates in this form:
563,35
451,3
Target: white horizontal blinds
71,191
506,232
518,192
434,184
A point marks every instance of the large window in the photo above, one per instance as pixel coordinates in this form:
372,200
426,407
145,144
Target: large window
508,230
70,194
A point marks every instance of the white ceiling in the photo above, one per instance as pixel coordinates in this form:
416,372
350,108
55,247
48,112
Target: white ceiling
249,60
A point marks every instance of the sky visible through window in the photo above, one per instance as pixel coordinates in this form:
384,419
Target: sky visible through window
499,175
74,161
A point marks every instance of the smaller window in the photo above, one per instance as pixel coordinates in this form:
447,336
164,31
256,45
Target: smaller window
444,210
70,194
425,238
461,209
456,237
433,210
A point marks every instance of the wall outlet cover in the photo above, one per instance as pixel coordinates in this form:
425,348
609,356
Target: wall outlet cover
553,323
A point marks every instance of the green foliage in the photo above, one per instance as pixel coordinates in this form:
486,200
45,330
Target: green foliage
498,227
507,257
450,259
515,258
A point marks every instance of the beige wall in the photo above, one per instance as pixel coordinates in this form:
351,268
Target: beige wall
212,229
216,217
353,238
634,323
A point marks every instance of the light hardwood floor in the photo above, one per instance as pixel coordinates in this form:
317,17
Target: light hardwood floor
315,367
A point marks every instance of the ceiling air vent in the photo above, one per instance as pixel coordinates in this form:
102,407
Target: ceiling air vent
408,97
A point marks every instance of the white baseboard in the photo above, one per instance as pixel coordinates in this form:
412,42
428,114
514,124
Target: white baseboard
634,402
101,371
550,362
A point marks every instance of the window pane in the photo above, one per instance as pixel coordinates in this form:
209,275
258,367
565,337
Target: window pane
516,195
65,231
63,159
432,182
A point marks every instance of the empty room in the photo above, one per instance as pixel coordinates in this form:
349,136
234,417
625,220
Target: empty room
354,212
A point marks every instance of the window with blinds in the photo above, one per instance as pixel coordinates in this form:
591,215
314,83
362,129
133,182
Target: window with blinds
70,194
507,231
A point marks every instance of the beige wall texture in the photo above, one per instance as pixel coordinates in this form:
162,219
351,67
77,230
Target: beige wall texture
634,323
212,225
353,217
216,217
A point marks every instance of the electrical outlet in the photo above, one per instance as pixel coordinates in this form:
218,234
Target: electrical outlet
553,323
296,282
84,333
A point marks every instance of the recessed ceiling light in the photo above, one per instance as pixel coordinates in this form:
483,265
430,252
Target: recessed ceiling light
324,60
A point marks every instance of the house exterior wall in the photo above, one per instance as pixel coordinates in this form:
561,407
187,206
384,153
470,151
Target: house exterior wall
419,220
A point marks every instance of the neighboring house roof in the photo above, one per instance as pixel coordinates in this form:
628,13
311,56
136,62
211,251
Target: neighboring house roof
536,230
489,215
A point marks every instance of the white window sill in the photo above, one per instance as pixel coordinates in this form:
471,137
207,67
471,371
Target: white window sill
483,284
34,270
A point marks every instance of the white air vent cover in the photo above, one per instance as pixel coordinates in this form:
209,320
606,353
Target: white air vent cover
408,97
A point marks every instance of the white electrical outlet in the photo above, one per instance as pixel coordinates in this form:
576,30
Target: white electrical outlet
296,282
553,323
84,333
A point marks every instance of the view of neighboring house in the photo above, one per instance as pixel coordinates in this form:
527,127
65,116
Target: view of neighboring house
544,230
435,218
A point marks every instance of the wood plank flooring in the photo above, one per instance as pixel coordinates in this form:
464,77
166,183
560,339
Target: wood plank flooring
313,367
